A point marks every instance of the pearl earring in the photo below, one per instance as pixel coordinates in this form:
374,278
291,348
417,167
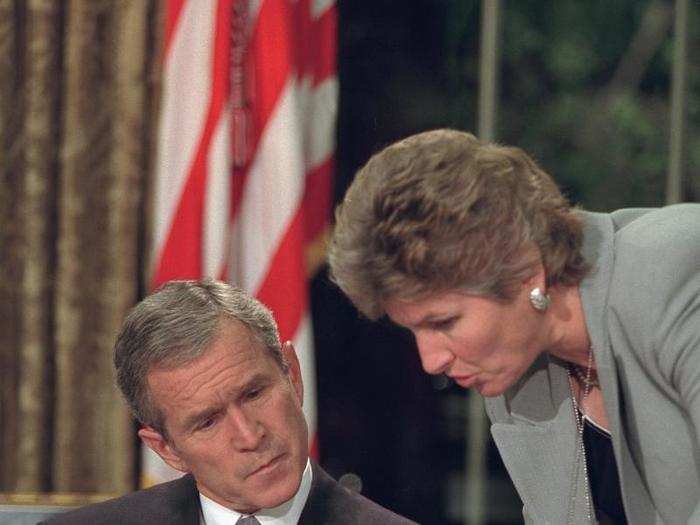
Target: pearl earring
540,301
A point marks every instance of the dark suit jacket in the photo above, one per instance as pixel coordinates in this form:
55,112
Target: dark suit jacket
177,503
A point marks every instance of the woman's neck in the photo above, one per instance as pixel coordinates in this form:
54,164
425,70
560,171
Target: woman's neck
569,336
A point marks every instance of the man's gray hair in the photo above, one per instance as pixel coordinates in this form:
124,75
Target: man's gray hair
174,326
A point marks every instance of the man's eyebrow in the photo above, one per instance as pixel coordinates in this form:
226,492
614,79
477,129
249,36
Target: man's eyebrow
192,419
202,415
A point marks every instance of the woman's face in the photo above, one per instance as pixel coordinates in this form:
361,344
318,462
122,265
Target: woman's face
481,343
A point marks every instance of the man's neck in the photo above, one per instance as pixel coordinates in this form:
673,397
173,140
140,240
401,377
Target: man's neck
287,513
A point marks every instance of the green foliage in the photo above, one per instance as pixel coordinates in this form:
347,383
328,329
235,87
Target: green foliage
584,87
606,143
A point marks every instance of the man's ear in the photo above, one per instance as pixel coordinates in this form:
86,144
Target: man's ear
290,356
158,444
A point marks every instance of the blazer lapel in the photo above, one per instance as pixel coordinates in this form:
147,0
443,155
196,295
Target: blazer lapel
535,430
598,247
184,502
539,446
315,509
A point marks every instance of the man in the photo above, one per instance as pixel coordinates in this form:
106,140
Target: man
201,365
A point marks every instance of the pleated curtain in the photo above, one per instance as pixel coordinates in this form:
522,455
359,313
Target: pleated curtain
77,109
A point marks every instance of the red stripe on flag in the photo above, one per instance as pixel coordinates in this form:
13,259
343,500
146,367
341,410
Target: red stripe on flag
268,60
181,256
315,42
313,448
317,199
284,289
272,55
324,52
304,46
172,16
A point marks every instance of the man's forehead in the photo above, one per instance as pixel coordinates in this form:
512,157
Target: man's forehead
234,354
182,354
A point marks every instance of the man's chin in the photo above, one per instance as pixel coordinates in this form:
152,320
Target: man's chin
256,496
270,486
275,488
270,498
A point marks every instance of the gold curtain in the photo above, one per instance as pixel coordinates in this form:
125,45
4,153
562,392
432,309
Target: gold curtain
76,124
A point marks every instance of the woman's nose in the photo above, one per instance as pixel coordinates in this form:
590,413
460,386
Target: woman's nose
434,357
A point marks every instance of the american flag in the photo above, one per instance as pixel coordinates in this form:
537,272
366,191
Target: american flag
244,157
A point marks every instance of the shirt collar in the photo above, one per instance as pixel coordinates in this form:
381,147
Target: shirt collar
287,513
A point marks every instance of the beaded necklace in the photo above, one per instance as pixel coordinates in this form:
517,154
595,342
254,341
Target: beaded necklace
574,370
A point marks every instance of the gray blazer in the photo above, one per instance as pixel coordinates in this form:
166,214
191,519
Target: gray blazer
177,503
642,308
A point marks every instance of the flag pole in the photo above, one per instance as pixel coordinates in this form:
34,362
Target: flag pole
477,427
679,76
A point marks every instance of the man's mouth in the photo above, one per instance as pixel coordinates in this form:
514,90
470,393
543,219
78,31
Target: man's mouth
269,466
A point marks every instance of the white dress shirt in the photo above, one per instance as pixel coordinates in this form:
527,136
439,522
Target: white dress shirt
287,513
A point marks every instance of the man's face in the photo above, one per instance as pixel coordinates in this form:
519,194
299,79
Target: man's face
234,420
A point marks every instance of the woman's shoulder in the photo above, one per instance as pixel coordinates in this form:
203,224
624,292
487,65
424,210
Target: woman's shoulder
657,250
655,282
639,228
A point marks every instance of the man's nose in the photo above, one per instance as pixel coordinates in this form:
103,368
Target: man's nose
247,431
434,357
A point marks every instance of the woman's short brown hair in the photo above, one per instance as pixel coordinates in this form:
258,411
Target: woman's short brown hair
442,210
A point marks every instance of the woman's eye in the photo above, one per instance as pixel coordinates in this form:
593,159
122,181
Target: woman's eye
444,324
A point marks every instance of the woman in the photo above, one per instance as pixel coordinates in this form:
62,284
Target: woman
581,330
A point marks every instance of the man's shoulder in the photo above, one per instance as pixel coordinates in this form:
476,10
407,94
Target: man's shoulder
329,502
172,502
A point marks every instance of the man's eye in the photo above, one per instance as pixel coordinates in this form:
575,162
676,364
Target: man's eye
207,423
253,394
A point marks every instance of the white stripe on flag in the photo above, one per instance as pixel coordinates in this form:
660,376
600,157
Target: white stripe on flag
318,7
186,90
218,197
303,343
155,470
321,125
272,192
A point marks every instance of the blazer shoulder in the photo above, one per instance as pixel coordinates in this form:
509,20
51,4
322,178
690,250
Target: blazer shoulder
331,503
174,502
655,286
656,254
659,227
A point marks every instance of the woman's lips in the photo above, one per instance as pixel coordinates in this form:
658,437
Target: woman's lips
465,381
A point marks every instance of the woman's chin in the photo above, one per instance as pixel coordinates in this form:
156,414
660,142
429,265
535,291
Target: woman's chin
489,390
493,388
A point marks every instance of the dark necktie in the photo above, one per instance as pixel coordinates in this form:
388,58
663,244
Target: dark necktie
250,520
